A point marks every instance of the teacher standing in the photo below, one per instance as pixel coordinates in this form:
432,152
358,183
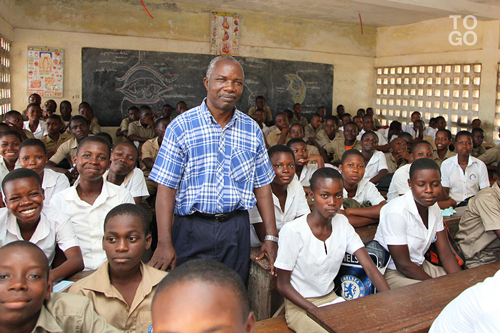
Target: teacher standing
212,167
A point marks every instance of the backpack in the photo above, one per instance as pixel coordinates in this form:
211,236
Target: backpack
432,255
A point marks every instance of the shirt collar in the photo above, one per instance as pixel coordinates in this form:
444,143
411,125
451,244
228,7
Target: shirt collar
210,118
42,229
411,206
125,180
47,321
103,196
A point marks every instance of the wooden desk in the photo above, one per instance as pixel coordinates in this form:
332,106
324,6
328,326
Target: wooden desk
410,309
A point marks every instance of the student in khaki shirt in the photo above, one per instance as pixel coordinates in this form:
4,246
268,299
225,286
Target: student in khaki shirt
280,135
143,129
398,155
443,140
150,151
122,289
26,304
87,112
326,136
312,129
54,138
260,103
348,142
133,115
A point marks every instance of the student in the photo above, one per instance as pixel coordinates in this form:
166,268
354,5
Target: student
260,104
477,142
410,223
54,138
165,112
90,198
340,111
408,139
9,152
122,289
202,295
297,131
123,171
26,304
368,201
288,195
133,115
66,109
418,127
415,115
325,137
181,107
142,130
359,121
369,125
32,155
397,156
26,218
34,124
346,118
107,137
375,163
150,151
280,135
259,117
33,98
441,122
86,112
348,142
49,107
15,121
289,114
463,175
303,166
311,250
297,118
312,129
442,140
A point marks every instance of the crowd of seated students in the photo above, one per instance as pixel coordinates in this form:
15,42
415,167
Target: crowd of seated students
67,187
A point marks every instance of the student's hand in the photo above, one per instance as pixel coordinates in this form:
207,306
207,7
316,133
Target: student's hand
285,130
150,121
270,250
311,158
403,153
163,258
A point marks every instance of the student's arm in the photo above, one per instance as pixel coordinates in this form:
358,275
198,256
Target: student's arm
372,212
450,263
286,289
405,266
265,205
164,255
383,148
381,174
138,200
284,134
445,201
72,265
148,162
371,270
316,158
358,221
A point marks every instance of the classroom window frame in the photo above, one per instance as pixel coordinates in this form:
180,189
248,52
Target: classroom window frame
5,77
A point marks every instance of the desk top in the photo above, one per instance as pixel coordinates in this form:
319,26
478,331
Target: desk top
410,309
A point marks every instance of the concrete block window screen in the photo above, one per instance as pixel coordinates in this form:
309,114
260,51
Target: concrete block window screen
5,92
451,91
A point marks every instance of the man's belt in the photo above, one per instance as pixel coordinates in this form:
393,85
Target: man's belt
222,217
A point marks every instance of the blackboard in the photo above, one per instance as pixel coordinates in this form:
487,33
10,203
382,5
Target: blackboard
113,80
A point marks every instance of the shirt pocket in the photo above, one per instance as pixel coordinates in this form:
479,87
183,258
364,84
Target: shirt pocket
242,165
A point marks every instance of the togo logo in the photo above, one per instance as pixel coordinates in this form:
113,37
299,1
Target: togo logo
150,328
472,176
352,287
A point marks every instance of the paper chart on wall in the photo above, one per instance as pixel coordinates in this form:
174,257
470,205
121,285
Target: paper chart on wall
225,34
45,71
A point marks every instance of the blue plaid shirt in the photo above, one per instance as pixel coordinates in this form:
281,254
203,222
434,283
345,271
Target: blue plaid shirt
214,170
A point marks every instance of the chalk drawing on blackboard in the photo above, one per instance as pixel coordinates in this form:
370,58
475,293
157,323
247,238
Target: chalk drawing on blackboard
144,85
296,87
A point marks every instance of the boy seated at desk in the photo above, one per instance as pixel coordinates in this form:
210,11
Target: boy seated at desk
15,121
35,124
375,163
26,218
86,112
347,142
312,129
142,130
122,288
397,156
133,115
305,164
54,138
280,135
443,140
297,131
477,142
26,303
326,136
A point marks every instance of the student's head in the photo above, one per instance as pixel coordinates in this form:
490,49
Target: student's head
66,108
92,158
340,110
397,145
408,139
322,111
327,190
421,149
86,111
133,113
123,158
433,123
297,131
352,166
259,116
260,102
331,125
297,108
49,107
425,182
361,113
463,143
369,111
107,137
35,98
24,285
34,112
14,118
415,115
351,131
166,111
126,237
369,141
4,127
419,125
316,120
443,139
9,145
160,127
79,127
281,120
33,155
289,115
299,149
368,124
441,122
359,121
394,128
145,113
476,123
181,107
477,137
283,163
54,124
202,295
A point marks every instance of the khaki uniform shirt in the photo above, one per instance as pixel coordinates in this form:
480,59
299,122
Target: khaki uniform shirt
268,115
491,156
70,313
150,150
94,126
324,141
311,132
338,146
302,121
274,136
124,124
312,150
52,145
66,150
109,303
476,152
392,166
136,128
28,133
446,156
476,230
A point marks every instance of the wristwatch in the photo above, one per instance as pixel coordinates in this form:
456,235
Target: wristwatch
271,238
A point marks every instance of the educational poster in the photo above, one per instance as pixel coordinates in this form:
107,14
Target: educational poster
45,71
225,34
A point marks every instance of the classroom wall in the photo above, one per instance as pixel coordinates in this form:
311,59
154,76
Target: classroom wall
6,29
184,28
427,43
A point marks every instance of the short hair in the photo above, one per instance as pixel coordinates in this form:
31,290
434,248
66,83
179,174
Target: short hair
144,108
133,210
462,133
294,141
280,149
33,105
28,245
298,124
32,142
214,61
324,173
179,102
95,139
35,94
106,136
334,118
85,104
133,107
349,153
288,113
395,125
130,144
351,123
404,135
420,121
55,117
446,131
367,116
280,113
165,105
477,129
11,132
160,120
316,115
439,118
12,113
415,112
369,132
21,173
297,104
423,164
75,118
357,117
210,272
259,97
51,100
346,115
418,142
66,102
339,106
259,110
4,127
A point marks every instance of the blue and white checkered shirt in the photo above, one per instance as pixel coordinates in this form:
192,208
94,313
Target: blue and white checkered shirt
214,170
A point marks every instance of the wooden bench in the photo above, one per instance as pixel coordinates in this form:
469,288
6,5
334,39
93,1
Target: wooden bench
272,325
408,309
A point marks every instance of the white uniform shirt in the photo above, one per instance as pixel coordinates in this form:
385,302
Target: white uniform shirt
54,228
4,170
53,182
463,185
375,165
381,139
40,131
313,263
135,183
307,172
401,224
399,183
366,191
88,220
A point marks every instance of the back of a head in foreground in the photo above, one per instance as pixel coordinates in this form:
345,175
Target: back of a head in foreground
203,283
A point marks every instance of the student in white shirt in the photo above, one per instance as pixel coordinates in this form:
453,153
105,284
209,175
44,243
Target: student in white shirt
311,250
35,125
26,218
305,164
410,223
369,125
91,197
9,152
288,195
33,155
376,164
463,175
